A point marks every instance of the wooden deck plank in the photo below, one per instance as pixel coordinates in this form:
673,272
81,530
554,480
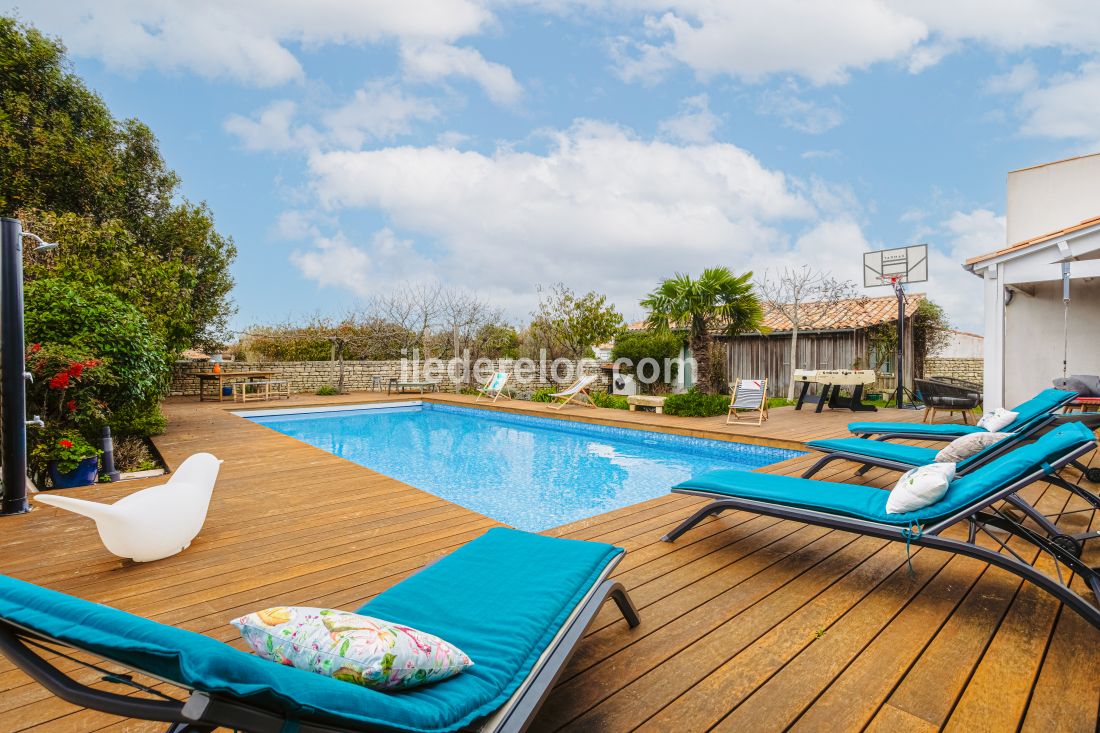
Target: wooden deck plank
731,612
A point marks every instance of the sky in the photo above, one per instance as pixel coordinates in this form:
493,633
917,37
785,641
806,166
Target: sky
349,146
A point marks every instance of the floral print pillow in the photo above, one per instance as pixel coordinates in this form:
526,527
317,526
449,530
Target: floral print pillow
359,649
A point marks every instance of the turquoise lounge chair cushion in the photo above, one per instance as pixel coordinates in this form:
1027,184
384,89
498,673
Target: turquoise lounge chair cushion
868,502
501,598
1039,405
908,454
946,430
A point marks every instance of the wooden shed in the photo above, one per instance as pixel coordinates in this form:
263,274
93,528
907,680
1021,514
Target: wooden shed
836,337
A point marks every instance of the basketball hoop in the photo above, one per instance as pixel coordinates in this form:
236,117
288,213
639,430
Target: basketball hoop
895,267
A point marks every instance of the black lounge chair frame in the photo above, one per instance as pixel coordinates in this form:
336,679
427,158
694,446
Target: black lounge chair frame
980,517
203,712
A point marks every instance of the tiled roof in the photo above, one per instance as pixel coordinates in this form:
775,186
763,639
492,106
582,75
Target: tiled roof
845,314
1035,240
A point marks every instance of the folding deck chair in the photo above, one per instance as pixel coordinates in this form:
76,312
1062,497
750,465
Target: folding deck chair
517,603
580,387
749,394
974,498
494,388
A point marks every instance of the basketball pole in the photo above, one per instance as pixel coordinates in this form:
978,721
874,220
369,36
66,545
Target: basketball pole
899,393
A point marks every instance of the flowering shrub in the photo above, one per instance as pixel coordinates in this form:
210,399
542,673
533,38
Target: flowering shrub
67,448
64,394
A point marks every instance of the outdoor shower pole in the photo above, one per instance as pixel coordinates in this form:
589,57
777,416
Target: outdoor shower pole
13,449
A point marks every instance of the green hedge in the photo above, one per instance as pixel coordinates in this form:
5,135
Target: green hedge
697,404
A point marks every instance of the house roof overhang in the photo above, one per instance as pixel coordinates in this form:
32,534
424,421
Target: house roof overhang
1040,259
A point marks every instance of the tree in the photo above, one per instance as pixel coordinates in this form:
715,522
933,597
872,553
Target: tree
569,325
804,297
637,346
931,332
717,302
100,187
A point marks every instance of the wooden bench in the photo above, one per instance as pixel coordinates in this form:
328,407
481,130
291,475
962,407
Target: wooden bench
399,386
636,401
270,388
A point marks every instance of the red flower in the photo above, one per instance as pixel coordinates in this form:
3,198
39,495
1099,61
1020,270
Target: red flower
65,443
71,404
76,369
91,363
60,380
35,348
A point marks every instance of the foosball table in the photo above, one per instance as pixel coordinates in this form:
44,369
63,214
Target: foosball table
832,380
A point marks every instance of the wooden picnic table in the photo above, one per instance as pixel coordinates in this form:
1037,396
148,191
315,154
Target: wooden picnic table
221,378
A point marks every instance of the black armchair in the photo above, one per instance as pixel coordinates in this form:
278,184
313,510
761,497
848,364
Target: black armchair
949,394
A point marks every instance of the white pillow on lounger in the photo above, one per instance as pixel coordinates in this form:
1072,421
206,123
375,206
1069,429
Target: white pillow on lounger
920,487
970,444
997,419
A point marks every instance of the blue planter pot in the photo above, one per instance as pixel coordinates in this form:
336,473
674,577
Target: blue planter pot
83,475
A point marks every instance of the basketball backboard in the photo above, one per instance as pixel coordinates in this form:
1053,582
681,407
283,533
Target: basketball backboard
906,264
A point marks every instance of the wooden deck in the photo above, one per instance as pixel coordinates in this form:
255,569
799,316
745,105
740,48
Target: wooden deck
748,623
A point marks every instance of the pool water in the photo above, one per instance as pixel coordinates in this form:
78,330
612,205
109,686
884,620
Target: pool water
530,472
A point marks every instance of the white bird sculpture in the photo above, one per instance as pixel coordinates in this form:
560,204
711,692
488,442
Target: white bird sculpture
153,523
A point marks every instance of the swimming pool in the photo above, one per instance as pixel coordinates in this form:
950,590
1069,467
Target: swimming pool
530,472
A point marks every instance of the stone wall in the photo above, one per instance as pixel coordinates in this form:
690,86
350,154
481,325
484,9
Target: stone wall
968,369
308,376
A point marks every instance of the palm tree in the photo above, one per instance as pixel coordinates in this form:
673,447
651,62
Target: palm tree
718,302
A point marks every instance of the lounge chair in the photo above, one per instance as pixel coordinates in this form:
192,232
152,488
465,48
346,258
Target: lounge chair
901,457
975,498
152,523
494,388
517,603
1045,403
749,394
580,387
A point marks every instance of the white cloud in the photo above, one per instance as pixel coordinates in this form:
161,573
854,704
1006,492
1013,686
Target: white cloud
630,209
694,124
797,113
248,41
272,128
1019,78
438,61
377,112
963,234
335,262
824,41
1065,108
819,41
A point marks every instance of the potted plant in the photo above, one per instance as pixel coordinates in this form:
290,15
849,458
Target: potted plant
72,460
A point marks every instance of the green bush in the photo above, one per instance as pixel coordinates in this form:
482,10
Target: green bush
138,420
543,395
326,390
636,346
96,322
613,401
696,404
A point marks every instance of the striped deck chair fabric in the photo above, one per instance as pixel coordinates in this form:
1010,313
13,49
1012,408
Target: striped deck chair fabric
749,394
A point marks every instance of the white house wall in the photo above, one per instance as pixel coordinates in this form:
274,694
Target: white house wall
1053,196
1033,337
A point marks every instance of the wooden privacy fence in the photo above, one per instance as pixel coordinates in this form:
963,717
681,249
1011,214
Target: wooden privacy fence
756,356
